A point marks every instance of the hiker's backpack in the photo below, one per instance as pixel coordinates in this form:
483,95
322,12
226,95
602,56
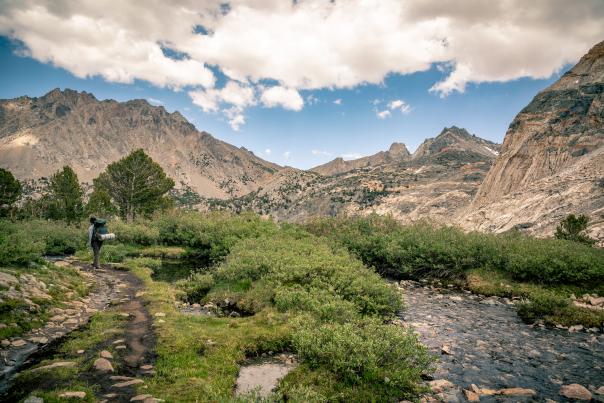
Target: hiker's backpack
101,232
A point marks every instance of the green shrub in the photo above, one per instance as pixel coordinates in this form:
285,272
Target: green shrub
300,261
573,228
116,253
551,261
210,235
138,233
421,250
17,247
365,351
196,286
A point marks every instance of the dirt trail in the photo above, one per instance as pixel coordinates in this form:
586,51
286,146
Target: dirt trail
133,345
482,341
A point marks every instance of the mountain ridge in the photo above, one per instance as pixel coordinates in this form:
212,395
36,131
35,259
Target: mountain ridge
38,135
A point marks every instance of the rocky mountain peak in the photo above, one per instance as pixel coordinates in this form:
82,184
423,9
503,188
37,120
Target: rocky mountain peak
398,149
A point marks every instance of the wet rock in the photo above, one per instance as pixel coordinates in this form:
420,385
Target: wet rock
446,349
600,390
39,339
471,396
60,364
575,391
575,328
103,365
440,385
127,383
73,395
106,354
18,343
517,392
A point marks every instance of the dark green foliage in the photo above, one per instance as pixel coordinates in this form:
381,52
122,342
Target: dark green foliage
99,204
137,185
422,250
10,191
554,309
26,241
572,228
366,351
65,196
17,247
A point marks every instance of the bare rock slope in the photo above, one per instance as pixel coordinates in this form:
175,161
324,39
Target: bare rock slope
552,158
40,135
436,183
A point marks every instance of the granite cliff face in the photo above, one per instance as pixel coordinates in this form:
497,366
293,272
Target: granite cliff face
40,135
435,183
551,161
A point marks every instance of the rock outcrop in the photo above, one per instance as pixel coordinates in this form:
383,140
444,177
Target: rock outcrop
551,162
40,135
397,153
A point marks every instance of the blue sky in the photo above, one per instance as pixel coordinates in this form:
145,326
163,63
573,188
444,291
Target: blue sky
253,74
329,129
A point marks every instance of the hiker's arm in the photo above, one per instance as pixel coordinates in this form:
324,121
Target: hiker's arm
90,230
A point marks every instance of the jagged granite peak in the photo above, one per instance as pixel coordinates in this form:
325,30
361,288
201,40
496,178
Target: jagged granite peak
552,159
397,153
38,135
399,149
455,139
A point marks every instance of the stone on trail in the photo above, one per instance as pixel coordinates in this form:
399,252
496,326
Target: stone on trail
127,383
106,354
120,341
140,398
33,399
60,364
38,340
103,365
120,378
120,347
72,395
160,314
575,391
439,385
446,349
146,367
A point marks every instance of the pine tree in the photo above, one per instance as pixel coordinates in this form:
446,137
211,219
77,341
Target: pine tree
10,191
65,195
136,184
572,229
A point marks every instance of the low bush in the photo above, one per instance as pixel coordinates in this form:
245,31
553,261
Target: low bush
552,261
296,261
210,235
138,233
196,286
365,351
556,309
422,250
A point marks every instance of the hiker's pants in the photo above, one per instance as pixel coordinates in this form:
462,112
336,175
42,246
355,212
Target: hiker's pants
96,251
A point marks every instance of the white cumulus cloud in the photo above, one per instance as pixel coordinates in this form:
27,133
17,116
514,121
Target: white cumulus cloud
399,104
287,98
301,45
321,153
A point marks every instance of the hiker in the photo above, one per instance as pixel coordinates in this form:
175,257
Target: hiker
94,243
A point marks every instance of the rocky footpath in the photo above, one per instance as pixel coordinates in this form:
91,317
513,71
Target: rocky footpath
15,351
486,353
116,375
